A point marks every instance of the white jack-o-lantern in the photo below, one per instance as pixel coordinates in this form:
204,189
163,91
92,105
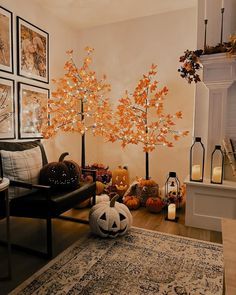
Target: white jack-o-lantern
110,219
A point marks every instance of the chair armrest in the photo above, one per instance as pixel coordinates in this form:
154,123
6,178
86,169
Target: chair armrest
92,172
28,185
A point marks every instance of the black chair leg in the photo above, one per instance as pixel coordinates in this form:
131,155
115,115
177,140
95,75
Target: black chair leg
49,237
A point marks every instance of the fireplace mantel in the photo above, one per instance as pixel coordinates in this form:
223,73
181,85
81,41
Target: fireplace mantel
215,119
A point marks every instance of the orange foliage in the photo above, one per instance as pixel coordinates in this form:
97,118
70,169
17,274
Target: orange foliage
78,86
132,122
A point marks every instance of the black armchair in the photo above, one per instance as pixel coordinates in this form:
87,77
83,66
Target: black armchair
43,202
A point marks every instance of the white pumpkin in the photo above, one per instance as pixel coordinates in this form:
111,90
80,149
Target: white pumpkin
110,219
101,198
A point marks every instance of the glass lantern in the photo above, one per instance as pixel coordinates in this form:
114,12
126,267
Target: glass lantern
172,186
197,160
217,165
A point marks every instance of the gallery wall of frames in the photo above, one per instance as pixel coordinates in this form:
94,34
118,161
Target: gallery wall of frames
24,88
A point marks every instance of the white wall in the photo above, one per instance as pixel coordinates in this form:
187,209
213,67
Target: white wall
124,51
61,38
214,21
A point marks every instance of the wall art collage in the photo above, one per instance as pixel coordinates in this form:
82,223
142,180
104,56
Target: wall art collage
32,54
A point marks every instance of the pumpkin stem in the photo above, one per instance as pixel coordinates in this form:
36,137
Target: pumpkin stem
62,156
113,200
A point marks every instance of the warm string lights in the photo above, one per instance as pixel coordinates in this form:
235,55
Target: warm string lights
140,118
80,101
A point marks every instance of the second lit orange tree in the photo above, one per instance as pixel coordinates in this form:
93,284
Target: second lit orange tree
79,102
140,118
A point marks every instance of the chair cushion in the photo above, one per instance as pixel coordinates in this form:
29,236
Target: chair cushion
35,205
21,165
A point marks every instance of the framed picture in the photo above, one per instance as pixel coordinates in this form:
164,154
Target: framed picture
32,108
7,109
6,41
32,51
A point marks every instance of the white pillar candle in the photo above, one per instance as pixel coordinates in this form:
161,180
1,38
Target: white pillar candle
205,15
223,4
171,211
196,172
216,174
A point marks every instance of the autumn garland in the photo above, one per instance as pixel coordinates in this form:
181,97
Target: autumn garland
191,62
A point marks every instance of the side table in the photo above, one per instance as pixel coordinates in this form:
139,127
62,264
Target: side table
4,188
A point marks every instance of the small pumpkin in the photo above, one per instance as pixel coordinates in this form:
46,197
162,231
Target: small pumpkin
99,187
63,174
120,179
83,204
110,219
101,198
131,202
154,204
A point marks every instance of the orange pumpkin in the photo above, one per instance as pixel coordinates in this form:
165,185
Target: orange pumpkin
99,187
120,179
146,182
131,202
154,204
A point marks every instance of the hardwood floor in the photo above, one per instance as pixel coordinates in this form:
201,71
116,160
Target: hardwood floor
32,233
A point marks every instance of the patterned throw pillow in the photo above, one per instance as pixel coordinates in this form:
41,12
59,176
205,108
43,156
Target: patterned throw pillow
21,165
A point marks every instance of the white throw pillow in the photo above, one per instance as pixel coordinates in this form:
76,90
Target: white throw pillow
21,165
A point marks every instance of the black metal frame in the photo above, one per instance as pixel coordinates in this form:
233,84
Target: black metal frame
47,189
25,23
20,90
217,148
13,108
11,70
198,140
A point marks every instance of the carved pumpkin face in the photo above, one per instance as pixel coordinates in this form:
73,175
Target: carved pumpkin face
120,179
110,219
62,174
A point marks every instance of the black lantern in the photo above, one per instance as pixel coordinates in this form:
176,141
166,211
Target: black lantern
197,160
217,165
172,190
172,186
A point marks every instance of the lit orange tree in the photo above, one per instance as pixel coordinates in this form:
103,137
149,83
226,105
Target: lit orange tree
79,102
140,118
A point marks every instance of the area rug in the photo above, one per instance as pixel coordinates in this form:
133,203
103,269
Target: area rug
141,262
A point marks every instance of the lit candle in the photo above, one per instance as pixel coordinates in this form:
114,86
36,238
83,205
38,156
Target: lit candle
196,172
206,9
171,211
223,4
216,174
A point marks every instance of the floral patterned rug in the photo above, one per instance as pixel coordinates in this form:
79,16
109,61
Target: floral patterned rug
141,262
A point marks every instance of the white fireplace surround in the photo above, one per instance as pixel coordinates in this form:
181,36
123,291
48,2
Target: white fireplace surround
215,119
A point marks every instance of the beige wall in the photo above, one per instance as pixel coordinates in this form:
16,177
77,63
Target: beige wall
124,51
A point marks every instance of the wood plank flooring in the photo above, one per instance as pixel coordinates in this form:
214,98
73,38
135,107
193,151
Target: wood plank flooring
31,232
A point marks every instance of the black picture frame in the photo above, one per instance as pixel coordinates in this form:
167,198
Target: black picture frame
32,110
32,51
6,40
7,109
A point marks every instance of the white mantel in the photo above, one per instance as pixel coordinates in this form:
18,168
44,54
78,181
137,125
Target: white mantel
212,102
215,118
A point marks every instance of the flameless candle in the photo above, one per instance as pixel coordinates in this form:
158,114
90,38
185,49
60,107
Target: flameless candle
196,172
171,211
223,4
206,9
216,174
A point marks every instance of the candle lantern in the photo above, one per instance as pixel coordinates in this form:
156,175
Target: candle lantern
172,186
217,165
197,160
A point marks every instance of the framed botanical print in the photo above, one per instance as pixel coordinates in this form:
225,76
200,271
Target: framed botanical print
32,51
32,109
6,41
7,109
